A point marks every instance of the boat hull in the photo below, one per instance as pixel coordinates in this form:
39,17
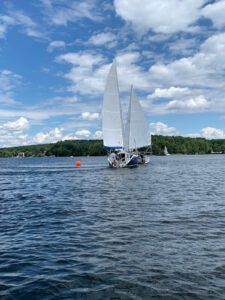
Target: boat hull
126,161
133,163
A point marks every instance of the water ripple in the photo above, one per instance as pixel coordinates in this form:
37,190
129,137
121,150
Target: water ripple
155,232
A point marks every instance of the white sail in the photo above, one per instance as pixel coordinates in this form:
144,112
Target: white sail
166,151
112,124
137,127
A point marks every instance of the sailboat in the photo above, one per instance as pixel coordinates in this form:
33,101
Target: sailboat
121,142
166,151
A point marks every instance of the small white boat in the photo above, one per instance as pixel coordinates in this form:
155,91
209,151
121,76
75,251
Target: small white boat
166,151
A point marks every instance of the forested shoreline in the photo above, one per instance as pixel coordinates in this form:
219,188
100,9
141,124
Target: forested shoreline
174,144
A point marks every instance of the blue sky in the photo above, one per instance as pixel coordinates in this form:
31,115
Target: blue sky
55,56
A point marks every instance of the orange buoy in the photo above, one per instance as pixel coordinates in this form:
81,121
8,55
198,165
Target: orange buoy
77,163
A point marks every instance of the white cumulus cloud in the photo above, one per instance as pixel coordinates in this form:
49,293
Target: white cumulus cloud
14,132
71,136
89,116
19,125
103,39
5,22
89,71
215,12
83,133
56,45
212,133
98,134
51,136
169,92
160,128
193,104
86,74
159,15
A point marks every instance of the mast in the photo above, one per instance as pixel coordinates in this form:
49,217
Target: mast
127,128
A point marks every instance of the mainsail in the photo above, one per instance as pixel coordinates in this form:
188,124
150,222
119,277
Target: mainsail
112,124
137,127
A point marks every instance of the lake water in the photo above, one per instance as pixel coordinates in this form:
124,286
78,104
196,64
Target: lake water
154,232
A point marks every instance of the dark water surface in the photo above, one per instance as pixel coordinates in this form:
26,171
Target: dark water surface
155,232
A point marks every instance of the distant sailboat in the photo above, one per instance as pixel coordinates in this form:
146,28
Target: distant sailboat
166,151
119,142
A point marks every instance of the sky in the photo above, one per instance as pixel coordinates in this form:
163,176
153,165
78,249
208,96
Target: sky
55,56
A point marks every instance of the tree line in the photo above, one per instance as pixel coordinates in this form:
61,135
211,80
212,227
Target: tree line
174,144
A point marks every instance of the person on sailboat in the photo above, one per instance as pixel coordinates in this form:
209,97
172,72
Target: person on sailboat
142,158
113,158
113,155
